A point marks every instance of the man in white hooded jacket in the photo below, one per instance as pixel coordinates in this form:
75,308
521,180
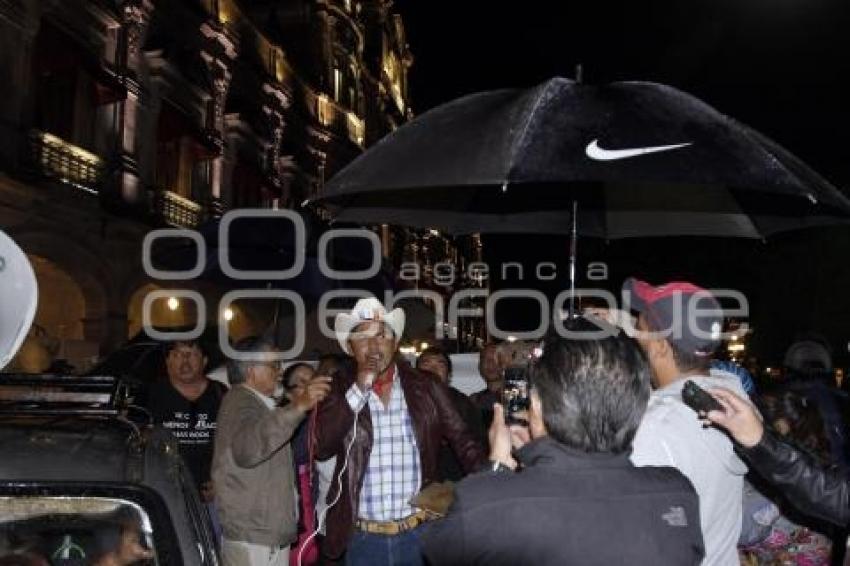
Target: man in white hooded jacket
679,327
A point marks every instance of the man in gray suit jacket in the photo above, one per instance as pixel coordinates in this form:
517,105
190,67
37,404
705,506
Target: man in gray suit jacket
252,465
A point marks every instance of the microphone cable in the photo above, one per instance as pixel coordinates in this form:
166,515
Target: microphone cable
321,518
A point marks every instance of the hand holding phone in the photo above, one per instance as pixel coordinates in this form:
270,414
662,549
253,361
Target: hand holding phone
502,437
738,417
699,399
515,395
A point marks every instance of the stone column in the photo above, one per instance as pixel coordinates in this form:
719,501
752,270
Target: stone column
232,141
276,126
277,167
135,19
219,53
123,181
322,53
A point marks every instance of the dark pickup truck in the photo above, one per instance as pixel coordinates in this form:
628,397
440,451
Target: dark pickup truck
83,483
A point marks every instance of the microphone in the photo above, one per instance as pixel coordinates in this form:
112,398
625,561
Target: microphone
372,373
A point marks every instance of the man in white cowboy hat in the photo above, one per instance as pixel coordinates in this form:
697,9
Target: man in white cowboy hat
392,451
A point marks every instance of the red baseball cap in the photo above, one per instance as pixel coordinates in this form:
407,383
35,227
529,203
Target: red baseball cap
688,315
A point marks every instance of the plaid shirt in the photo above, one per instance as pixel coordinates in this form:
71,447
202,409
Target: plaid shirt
393,475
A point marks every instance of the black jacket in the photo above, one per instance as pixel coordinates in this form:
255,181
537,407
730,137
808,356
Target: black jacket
569,507
448,465
814,490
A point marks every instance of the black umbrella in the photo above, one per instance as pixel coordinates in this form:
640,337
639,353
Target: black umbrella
640,159
628,159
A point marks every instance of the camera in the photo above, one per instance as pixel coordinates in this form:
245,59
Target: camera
515,394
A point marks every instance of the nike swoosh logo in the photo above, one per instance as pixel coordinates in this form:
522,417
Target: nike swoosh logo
597,153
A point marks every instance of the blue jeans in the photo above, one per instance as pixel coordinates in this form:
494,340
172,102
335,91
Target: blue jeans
212,510
367,549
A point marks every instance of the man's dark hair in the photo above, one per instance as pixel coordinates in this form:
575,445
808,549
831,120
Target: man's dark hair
108,537
690,362
436,351
169,346
593,392
238,369
287,373
806,427
333,365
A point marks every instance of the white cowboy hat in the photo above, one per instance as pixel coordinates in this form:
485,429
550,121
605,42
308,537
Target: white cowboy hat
365,310
19,292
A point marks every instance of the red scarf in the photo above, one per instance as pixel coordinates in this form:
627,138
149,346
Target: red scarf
384,382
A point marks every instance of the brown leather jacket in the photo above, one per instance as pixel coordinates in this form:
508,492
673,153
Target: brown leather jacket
433,417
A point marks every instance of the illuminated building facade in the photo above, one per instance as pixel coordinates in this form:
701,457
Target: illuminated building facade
119,116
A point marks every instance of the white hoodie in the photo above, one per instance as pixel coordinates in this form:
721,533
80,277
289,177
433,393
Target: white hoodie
671,435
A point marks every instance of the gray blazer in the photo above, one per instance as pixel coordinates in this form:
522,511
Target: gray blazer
253,471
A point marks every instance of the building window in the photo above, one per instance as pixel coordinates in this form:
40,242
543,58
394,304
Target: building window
201,179
356,128
338,80
66,95
168,164
393,72
324,110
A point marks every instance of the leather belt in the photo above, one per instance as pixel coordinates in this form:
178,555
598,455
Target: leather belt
392,528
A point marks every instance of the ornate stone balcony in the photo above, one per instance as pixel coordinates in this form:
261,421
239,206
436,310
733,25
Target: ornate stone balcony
335,118
176,210
57,159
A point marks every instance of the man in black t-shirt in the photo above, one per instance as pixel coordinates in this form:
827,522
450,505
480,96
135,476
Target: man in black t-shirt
186,403
492,371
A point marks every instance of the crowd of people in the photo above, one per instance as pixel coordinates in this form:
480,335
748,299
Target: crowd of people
367,460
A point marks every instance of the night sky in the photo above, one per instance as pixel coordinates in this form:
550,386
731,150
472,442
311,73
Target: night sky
779,66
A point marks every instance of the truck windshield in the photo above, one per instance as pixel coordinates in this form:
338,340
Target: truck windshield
59,530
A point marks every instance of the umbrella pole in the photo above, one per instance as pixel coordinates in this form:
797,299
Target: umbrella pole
574,229
573,253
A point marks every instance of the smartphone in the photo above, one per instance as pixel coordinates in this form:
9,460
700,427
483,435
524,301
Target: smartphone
699,399
515,394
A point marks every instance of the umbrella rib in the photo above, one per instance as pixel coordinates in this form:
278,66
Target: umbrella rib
759,141
521,137
745,130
